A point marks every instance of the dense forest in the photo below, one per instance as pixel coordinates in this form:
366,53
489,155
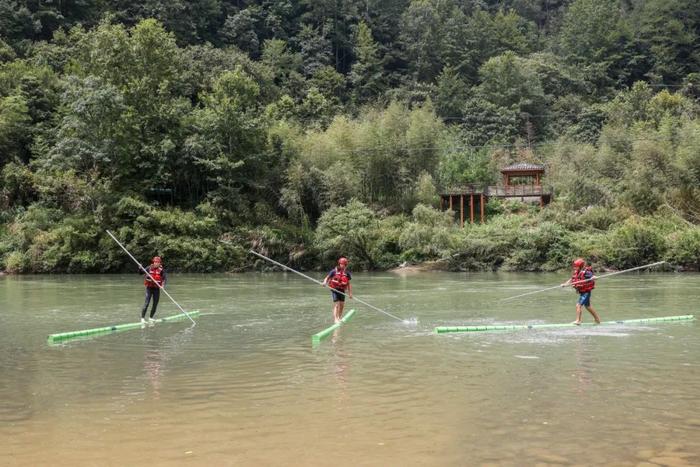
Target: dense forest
307,129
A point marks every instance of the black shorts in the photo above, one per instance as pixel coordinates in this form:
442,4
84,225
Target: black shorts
337,296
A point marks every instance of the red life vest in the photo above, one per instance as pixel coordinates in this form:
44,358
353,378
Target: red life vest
157,275
586,285
339,281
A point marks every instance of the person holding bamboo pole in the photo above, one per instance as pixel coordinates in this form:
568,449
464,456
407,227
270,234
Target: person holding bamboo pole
583,280
156,278
338,279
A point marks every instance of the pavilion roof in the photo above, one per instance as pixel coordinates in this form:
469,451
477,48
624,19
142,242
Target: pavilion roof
523,167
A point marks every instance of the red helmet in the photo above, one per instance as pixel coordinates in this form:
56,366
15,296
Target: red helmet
579,262
343,260
156,259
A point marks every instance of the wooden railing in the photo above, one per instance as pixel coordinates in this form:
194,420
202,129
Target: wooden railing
500,191
518,190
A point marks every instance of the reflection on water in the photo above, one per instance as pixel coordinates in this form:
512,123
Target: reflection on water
244,386
153,367
582,370
341,365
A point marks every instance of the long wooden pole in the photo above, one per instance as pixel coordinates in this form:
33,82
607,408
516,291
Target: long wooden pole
321,283
582,281
150,277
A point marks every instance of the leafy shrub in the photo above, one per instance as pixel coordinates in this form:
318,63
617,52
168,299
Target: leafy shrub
430,235
388,246
684,248
633,244
16,262
479,254
546,246
600,217
486,246
18,185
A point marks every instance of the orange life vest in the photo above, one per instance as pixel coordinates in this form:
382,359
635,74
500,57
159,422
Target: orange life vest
579,276
339,281
157,275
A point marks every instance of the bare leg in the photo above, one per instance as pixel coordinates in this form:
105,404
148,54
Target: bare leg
341,307
578,314
595,315
336,310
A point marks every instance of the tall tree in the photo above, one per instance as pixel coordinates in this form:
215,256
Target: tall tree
595,36
315,49
452,93
421,37
366,74
240,30
192,21
227,143
336,18
668,30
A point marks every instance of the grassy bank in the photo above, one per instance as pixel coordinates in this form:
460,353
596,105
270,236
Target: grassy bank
519,238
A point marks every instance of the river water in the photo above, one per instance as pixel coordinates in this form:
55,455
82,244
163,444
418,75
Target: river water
245,387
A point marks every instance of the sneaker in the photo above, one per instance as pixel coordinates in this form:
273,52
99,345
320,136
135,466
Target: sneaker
143,321
151,321
577,323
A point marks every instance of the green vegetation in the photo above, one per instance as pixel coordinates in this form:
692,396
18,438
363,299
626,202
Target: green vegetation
306,130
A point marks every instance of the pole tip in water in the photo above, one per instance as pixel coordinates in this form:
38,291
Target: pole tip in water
410,321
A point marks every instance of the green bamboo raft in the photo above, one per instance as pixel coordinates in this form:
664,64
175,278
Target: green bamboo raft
63,336
518,327
319,336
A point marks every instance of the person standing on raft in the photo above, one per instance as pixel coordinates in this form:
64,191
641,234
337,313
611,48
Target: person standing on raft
339,281
157,272
583,280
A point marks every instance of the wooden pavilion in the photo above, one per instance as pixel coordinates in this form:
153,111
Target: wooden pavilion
522,180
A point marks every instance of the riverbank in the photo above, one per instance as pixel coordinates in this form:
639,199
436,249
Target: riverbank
517,239
426,266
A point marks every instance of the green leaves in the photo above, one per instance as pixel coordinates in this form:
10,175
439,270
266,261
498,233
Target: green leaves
229,138
451,94
350,230
14,127
507,81
431,234
668,32
381,155
684,248
94,132
634,244
366,75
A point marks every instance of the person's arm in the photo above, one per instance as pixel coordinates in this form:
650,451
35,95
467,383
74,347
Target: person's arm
328,277
349,290
165,278
566,283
